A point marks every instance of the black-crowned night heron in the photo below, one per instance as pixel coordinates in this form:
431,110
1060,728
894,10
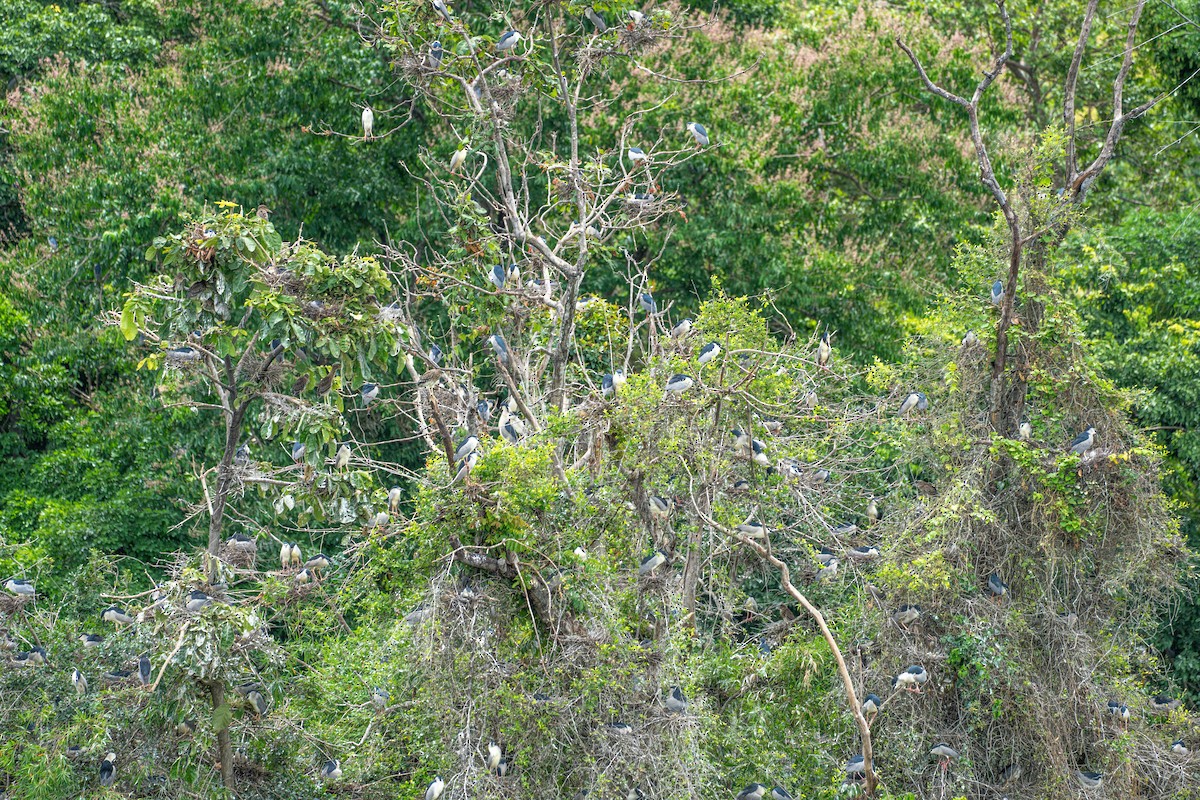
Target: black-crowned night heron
183,354
90,640
494,756
970,340
871,705
1084,441
1025,431
636,17
1163,703
856,767
636,154
753,529
497,275
457,160
79,682
646,301
331,770
368,392
872,511
317,563
619,728
435,788
682,328
508,41
780,793
829,571
435,355
108,770
467,465
1090,780
914,400
741,441
197,600
675,701
434,60
708,353
759,453
116,615
186,727
996,587
499,346
116,675
341,458
289,555
394,496
825,555
144,671
809,400
755,791
867,552
660,507
1179,748
699,134
652,562
741,485
368,122
611,383
258,702
597,21
19,587
773,426
509,432
440,7
945,754
1124,713
824,350
298,451
1011,773
911,679
465,448
997,293
1114,707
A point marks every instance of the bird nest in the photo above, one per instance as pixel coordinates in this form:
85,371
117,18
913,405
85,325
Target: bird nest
11,604
239,554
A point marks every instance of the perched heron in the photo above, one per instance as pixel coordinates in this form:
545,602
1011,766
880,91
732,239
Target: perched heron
494,756
597,21
945,754
298,451
773,426
90,640
258,702
19,587
394,496
186,727
341,458
742,485
866,552
997,293
368,392
872,511
289,555
660,507
144,670
915,400
368,122
499,346
1163,703
1179,748
197,600
829,571
856,767
636,17
675,701
825,555
759,451
652,562
682,328
484,409
440,7
116,615
183,354
468,464
497,276
379,520
435,355
636,154
970,340
810,400
907,615
1025,431
317,563
465,448
824,350
753,529
435,789
434,60
108,770
678,384
619,728
996,587
1011,773
871,704
741,441
457,160
755,791
510,432
646,301
912,678
1084,441
1091,780
699,134
709,352
79,682
1114,707
611,383
780,793
508,41
331,770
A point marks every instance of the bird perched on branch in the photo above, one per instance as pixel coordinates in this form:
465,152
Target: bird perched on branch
646,301
144,670
871,705
457,160
368,122
317,563
440,7
678,384
368,392
682,328
1025,431
867,552
637,155
753,529
970,340
435,788
996,587
434,59
824,350
755,791
499,346
79,682
289,555
911,679
675,701
298,451
597,21
652,562
1179,748
945,754
699,134
997,293
1163,703
856,767
508,41
116,615
906,615
660,507
465,448
611,384
872,512
341,458
331,770
1084,441
197,600
780,793
916,400
709,352
90,640
1091,780
494,756
636,18
108,770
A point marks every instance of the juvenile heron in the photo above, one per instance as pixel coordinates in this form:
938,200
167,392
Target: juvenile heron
824,350
1084,441
678,384
708,353
699,134
508,41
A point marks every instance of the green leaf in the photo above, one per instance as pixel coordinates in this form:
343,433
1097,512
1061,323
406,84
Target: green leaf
222,716
129,322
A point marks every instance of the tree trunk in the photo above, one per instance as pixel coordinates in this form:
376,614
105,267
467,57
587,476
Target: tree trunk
562,352
224,748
